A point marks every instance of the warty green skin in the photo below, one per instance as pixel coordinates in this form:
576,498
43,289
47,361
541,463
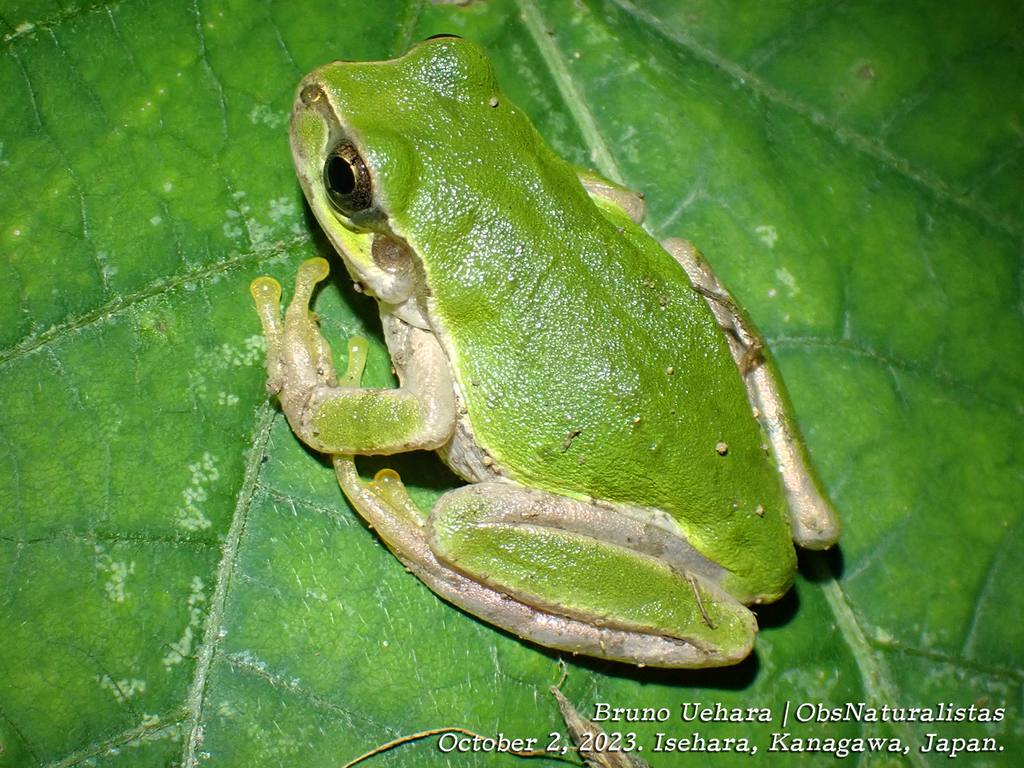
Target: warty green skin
583,361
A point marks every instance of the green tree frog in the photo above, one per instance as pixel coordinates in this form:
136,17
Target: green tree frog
635,476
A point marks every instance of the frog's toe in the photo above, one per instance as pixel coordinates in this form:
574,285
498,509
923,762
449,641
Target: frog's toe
311,272
356,362
266,292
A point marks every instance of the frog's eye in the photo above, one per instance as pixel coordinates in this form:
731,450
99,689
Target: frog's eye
347,180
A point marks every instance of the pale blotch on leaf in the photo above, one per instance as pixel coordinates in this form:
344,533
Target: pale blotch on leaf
252,352
233,227
122,689
232,230
767,234
183,647
259,233
282,206
106,271
117,572
255,350
241,221
785,277
261,114
191,516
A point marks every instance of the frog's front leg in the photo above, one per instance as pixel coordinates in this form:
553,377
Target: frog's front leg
352,419
814,521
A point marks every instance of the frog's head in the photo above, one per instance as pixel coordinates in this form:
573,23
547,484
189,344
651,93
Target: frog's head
388,153
403,160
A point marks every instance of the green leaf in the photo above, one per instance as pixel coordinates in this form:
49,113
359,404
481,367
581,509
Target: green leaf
184,582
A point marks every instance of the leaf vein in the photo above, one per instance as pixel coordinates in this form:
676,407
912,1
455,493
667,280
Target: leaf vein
873,148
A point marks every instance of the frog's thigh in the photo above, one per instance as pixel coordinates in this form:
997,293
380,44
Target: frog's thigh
513,541
815,524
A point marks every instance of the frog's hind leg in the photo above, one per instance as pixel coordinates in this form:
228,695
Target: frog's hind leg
497,532
745,341
814,521
591,579
411,536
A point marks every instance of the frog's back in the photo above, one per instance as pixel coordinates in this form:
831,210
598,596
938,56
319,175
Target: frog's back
590,366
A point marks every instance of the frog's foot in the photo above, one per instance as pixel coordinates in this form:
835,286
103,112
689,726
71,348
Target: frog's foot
814,521
342,417
511,556
298,357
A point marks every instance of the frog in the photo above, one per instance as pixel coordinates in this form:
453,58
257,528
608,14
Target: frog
635,477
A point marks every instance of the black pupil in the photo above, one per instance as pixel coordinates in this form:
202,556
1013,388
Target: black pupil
340,176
